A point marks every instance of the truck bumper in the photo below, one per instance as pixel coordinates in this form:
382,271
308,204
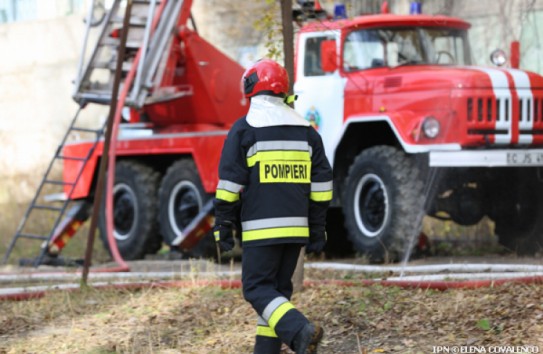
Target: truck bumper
487,158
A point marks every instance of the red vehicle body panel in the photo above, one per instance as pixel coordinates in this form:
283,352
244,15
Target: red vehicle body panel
442,91
383,20
202,142
207,82
200,106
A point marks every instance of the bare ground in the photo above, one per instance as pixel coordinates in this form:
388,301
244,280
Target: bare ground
357,319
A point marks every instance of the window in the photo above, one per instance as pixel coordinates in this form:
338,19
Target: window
364,49
312,60
445,46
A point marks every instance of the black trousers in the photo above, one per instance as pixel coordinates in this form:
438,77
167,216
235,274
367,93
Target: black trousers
266,276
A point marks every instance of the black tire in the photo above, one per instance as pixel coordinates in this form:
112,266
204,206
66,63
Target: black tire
181,197
134,210
519,217
383,203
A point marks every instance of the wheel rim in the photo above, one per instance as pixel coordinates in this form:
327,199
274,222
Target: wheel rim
184,204
125,211
371,205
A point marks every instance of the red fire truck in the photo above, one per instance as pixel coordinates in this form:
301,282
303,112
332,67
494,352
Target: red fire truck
413,128
410,125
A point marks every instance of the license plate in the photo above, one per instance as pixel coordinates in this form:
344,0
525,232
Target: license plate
525,158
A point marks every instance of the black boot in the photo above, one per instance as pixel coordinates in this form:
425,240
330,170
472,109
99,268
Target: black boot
307,339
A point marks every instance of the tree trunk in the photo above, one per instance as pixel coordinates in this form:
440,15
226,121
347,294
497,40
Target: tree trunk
288,50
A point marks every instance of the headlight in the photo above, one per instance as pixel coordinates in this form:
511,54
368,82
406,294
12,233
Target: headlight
498,57
430,127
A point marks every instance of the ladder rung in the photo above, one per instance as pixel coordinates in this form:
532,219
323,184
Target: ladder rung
58,183
145,2
86,130
95,97
34,237
111,66
116,41
71,158
98,89
47,207
55,197
134,21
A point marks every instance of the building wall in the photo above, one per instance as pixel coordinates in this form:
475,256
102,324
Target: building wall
37,66
31,10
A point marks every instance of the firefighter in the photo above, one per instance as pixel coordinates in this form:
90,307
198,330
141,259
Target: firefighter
274,181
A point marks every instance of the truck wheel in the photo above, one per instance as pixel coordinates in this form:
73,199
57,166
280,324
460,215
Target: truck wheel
134,210
383,203
181,197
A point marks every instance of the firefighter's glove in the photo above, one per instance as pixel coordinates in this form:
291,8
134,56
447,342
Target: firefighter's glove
317,240
224,236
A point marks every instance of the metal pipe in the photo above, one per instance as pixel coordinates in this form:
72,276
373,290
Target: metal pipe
84,48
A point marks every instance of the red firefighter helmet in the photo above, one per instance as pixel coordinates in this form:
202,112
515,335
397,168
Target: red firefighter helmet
265,77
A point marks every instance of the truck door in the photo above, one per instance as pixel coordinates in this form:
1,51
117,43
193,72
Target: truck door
320,94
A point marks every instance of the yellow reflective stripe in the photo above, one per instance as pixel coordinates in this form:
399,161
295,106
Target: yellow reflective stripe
229,186
217,235
321,196
279,313
265,331
226,195
278,155
277,232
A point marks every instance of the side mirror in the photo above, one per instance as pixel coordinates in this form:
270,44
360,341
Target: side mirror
328,56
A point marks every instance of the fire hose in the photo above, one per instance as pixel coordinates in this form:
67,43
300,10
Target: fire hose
436,277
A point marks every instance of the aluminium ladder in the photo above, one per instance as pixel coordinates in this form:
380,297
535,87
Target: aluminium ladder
90,85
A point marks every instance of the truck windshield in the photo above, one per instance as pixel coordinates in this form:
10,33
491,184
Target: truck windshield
393,47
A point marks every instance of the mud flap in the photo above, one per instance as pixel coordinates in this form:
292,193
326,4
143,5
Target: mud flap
73,220
66,229
197,229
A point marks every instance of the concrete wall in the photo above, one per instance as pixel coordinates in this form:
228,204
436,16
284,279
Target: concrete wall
37,64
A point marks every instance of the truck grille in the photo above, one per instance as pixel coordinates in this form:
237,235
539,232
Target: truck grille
504,117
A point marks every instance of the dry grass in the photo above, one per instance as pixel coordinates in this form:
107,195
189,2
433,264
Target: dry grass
213,320
15,196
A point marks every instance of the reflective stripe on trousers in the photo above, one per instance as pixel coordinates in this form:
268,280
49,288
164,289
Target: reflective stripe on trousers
275,310
263,329
266,341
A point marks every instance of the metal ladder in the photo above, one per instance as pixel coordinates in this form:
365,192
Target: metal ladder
90,86
38,207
